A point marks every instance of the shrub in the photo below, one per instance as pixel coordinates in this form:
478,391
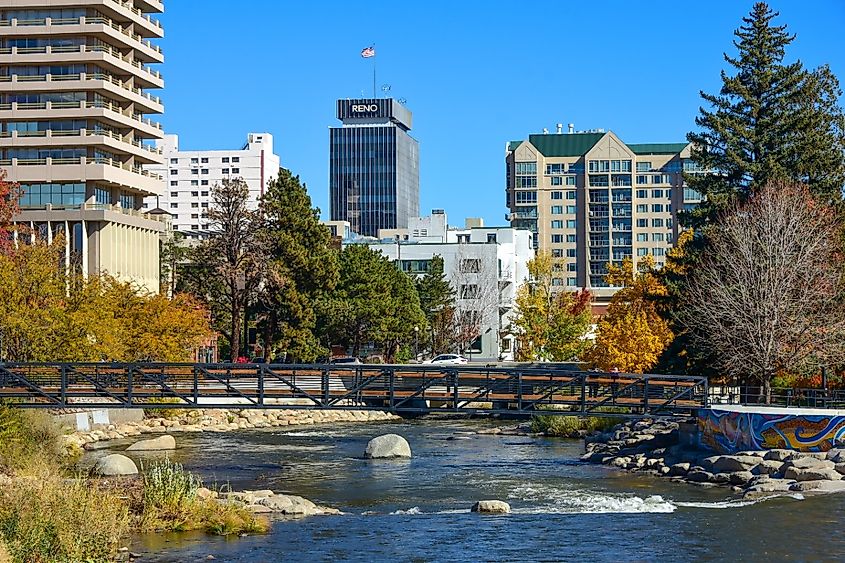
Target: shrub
28,437
170,503
572,426
48,518
168,413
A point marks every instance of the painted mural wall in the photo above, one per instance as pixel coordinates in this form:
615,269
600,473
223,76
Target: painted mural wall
731,432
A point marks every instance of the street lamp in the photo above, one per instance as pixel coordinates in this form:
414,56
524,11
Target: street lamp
416,342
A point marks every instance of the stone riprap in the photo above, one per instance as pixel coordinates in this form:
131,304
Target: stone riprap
491,507
653,446
270,503
222,420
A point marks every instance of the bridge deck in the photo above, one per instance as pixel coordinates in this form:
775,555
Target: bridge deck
420,388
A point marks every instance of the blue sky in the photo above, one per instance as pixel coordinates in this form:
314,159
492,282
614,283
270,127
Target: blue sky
475,74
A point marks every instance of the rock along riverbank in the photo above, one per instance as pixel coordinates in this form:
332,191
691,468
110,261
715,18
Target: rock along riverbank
222,420
653,446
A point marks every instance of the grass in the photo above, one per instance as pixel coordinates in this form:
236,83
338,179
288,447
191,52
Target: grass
27,436
170,503
572,426
45,517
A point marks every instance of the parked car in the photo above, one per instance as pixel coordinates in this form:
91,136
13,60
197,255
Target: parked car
345,360
447,359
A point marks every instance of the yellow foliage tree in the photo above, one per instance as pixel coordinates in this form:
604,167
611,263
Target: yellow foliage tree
632,335
49,314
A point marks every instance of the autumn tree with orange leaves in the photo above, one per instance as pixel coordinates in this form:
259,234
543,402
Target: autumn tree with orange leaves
632,335
550,324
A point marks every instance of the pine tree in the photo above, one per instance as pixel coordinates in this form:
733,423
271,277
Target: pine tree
303,268
770,121
437,301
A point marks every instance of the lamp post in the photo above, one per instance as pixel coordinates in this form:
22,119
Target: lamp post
416,342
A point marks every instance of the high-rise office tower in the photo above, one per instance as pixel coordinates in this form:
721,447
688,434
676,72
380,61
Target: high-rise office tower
74,77
374,179
591,199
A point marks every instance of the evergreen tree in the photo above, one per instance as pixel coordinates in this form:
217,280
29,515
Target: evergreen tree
373,304
437,301
770,121
303,268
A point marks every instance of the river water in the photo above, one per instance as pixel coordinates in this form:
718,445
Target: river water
418,510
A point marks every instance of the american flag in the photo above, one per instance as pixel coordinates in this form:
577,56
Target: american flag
368,52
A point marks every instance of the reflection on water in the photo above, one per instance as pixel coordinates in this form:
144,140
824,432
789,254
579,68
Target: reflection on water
418,509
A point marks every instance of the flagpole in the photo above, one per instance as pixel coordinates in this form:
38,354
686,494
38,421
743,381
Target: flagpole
374,74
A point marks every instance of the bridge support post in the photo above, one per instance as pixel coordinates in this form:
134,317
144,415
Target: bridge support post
583,379
64,385
645,394
129,385
261,385
325,384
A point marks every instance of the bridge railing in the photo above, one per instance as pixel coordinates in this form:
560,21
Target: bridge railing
412,388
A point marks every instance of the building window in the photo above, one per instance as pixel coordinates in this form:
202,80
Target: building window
102,196
642,194
521,181
195,205
174,194
642,208
526,197
620,165
174,161
415,266
204,205
570,195
557,210
127,201
657,222
642,237
470,291
657,237
657,194
570,223
599,180
557,281
225,171
571,282
236,170
642,179
174,183
642,251
570,209
194,182
236,159
557,239
557,180
203,182
552,169
195,194
195,171
659,251
526,168
205,170
174,172
643,166
571,252
194,161
491,238
571,267
660,179
174,205
570,180
470,265
557,195
557,224
641,223
657,208
204,194
225,159
599,166
204,160
557,253
571,238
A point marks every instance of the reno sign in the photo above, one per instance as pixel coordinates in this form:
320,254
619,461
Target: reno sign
364,108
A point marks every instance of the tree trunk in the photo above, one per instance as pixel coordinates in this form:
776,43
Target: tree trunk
235,343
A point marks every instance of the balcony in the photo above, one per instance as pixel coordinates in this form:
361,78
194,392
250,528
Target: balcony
105,110
151,26
103,170
103,27
82,137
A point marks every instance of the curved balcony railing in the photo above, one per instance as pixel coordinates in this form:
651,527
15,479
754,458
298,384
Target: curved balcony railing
94,20
48,133
79,161
79,76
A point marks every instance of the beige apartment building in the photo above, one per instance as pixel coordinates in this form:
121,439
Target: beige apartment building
590,199
74,131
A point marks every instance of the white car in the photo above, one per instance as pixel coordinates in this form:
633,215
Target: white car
447,359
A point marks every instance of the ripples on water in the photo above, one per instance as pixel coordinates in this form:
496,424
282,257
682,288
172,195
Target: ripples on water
418,509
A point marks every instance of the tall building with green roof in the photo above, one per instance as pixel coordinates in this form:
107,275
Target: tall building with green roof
590,199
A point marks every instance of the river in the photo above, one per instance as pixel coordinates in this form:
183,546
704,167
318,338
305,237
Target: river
418,510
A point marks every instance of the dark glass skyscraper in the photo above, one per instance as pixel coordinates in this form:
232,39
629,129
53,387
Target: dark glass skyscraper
374,179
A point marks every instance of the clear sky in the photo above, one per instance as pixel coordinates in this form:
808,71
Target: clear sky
475,74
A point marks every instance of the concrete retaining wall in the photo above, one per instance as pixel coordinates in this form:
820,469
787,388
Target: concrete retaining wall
99,418
731,429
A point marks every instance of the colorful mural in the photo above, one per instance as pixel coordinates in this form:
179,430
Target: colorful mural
729,431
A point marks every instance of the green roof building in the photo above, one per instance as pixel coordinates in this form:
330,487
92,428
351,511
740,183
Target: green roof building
591,199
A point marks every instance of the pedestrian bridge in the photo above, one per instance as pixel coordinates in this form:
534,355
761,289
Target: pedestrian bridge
394,388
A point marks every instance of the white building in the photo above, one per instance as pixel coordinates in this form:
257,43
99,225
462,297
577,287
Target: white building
485,265
190,175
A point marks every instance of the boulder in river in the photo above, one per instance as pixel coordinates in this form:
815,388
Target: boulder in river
114,465
491,507
387,446
166,442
